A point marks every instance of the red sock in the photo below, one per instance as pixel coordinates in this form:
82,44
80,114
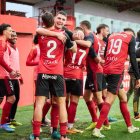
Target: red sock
54,115
125,113
36,128
67,105
5,112
106,122
63,129
103,114
46,108
96,106
72,112
92,110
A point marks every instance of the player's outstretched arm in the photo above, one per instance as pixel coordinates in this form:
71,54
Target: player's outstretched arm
84,43
31,57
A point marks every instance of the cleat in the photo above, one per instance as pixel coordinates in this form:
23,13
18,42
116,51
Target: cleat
106,127
31,137
137,118
111,119
96,133
44,124
62,138
132,129
92,126
11,126
74,130
55,135
7,128
47,120
70,131
15,123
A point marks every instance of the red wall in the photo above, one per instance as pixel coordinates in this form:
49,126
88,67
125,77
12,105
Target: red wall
26,28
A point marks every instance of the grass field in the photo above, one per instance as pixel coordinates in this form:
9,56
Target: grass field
118,131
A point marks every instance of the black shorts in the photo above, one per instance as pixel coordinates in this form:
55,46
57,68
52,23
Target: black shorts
114,82
50,84
104,85
74,87
6,88
94,82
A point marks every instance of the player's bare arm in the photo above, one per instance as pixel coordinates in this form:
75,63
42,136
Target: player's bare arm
74,47
47,32
84,43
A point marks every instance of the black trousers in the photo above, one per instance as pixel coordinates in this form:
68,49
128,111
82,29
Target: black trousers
17,95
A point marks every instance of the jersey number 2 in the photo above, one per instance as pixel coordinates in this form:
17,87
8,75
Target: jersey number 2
54,45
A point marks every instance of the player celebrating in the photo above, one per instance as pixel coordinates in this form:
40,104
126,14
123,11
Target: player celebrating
59,22
73,73
14,63
33,60
119,46
50,76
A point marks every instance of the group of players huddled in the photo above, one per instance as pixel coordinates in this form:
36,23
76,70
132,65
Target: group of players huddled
60,57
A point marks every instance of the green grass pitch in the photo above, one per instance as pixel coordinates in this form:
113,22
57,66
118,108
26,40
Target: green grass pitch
118,131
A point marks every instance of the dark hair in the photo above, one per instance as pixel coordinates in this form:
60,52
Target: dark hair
62,13
3,27
86,23
78,28
48,19
129,29
138,34
101,26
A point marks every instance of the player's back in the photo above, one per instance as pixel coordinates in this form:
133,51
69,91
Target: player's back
117,53
74,62
51,55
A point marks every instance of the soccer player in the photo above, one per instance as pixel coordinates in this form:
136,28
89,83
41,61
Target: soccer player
91,40
14,63
132,88
6,87
50,76
33,60
59,22
135,90
119,46
73,73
